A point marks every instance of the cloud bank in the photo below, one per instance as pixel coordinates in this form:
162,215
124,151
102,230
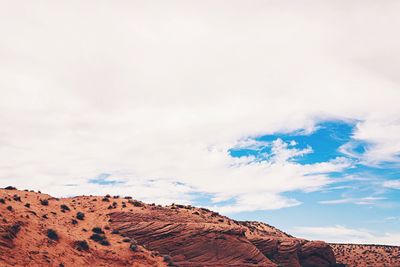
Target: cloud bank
155,95
339,233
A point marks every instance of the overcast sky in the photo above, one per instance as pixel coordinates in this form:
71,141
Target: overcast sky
149,98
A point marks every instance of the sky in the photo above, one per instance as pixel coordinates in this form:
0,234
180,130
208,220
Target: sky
285,112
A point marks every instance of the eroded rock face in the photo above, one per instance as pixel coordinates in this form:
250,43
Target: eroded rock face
190,243
286,250
202,238
317,253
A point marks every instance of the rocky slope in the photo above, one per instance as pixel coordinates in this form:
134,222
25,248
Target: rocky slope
354,255
39,230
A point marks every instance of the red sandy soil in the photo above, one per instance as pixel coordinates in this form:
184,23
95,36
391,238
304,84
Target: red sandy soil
355,255
140,234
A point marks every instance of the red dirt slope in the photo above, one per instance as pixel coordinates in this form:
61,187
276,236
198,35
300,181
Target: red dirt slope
354,255
118,231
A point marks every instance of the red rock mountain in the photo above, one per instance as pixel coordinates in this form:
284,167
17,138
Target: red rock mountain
39,230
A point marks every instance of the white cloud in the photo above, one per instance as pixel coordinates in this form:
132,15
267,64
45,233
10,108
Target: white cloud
342,234
161,92
395,184
357,201
382,139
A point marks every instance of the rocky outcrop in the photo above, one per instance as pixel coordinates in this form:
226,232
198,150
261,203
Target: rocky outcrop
114,231
198,237
286,250
317,253
190,243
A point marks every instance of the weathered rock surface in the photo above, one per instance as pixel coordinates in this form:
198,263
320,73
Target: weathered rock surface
358,255
38,230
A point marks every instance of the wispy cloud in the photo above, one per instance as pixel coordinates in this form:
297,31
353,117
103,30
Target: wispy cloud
342,234
394,184
357,201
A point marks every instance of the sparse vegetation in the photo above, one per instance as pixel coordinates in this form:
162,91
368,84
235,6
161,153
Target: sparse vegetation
64,208
44,202
17,198
81,245
135,203
97,237
97,230
12,231
2,201
133,247
80,216
10,188
104,242
52,234
9,208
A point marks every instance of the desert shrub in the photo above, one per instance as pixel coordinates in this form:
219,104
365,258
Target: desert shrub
45,216
110,207
135,203
128,197
115,196
105,199
52,234
107,227
10,188
73,221
107,196
97,237
115,232
64,207
27,205
17,198
80,216
2,201
126,240
104,242
133,247
167,259
13,230
81,245
97,230
44,202
9,208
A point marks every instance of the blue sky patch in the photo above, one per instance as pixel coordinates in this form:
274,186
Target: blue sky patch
103,179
